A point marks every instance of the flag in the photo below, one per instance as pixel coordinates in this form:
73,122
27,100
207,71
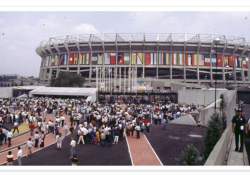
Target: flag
201,60
152,59
99,60
75,59
226,60
180,59
244,62
139,58
48,60
247,61
195,60
120,58
44,61
174,59
81,58
189,59
53,60
61,60
65,59
94,58
214,60
236,61
167,56
71,59
84,58
126,58
107,58
160,58
240,63
219,60
112,58
134,56
56,60
147,58
207,60
231,61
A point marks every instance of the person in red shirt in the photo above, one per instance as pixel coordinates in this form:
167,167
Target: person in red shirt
31,126
9,159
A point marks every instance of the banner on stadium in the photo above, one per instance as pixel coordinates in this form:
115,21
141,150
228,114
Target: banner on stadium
48,60
56,60
226,63
71,59
150,58
240,62
201,60
207,60
53,60
110,58
120,58
231,61
164,59
126,58
219,60
75,59
189,58
214,60
144,83
94,58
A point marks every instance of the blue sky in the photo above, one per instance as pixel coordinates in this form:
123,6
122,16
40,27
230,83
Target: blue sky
21,32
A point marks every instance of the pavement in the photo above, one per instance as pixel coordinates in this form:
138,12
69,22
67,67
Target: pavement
159,147
245,113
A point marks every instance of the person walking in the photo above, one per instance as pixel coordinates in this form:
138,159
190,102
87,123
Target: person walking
59,139
164,124
148,125
238,127
31,126
65,128
29,144
103,136
19,156
81,137
42,140
9,136
72,148
36,139
16,127
138,128
9,159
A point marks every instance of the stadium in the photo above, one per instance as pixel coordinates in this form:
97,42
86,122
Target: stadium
147,58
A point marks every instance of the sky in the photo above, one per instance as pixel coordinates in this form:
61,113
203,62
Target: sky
22,31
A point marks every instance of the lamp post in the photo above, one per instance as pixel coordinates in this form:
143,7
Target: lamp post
216,41
228,76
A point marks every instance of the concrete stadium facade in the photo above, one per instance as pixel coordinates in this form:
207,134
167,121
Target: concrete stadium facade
186,58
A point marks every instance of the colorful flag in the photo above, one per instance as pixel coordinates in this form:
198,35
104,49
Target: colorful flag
120,58
94,58
236,61
174,59
112,58
240,64
219,60
195,60
226,60
99,61
48,60
71,59
53,60
134,57
231,61
84,58
247,61
207,60
139,58
160,58
147,58
189,59
244,62
75,58
126,58
107,58
56,60
201,60
61,60
214,60
152,58
180,58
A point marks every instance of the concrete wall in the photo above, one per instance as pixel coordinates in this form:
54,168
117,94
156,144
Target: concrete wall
199,96
6,92
218,155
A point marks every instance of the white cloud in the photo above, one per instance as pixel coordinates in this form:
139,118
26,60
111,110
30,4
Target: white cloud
85,29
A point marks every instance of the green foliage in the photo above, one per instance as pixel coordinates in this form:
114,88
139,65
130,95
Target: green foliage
189,156
213,132
222,110
67,79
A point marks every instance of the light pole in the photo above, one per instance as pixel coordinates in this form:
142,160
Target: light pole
216,41
228,76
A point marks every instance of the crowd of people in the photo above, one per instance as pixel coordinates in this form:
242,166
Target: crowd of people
90,122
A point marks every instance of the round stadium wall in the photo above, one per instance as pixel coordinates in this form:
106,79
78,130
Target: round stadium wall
185,58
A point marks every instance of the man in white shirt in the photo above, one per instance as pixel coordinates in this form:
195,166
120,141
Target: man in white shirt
9,136
72,148
16,127
29,144
19,156
62,120
138,128
65,128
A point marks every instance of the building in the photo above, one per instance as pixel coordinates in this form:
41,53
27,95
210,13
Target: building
185,58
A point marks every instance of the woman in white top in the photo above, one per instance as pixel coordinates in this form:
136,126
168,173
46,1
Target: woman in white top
59,139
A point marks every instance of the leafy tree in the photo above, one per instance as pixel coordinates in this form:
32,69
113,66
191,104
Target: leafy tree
21,83
67,79
213,132
222,111
189,156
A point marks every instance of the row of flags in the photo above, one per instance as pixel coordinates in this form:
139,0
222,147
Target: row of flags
149,58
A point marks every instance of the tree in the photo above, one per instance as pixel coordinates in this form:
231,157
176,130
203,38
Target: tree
213,132
67,79
190,156
222,110
21,83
